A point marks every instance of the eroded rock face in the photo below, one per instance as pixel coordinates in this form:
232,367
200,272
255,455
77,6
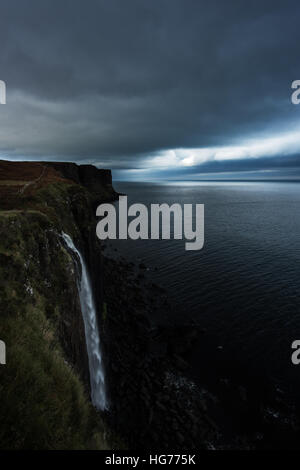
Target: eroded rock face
45,271
97,181
41,318
59,198
94,179
44,391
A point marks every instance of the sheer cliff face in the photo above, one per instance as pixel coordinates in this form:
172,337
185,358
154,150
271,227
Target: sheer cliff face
97,181
41,320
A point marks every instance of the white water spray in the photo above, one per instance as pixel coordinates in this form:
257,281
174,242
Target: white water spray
88,309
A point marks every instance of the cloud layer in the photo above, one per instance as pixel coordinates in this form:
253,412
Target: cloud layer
164,85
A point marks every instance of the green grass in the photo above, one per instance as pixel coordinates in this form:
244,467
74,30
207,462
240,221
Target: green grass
43,403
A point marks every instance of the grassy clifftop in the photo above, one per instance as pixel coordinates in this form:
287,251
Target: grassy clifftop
44,396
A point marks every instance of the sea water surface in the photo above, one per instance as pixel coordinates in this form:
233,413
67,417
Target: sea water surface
243,286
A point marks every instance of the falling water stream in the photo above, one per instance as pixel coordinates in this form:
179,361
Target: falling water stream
88,309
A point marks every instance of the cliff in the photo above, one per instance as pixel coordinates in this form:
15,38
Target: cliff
97,181
44,387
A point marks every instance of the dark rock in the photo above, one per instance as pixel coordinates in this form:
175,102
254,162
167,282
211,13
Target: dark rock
97,181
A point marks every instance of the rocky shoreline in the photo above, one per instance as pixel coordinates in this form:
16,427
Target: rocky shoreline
173,387
152,404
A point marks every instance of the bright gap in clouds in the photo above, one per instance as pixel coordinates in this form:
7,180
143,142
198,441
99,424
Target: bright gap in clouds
286,144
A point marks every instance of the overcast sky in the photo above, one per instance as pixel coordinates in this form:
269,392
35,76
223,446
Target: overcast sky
153,88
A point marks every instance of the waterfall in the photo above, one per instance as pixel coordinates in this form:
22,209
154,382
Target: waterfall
98,394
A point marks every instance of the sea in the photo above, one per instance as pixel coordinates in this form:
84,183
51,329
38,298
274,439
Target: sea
243,285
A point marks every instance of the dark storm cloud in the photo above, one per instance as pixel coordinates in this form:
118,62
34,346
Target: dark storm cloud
114,82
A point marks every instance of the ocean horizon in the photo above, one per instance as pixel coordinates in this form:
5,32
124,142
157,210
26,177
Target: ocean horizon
243,286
